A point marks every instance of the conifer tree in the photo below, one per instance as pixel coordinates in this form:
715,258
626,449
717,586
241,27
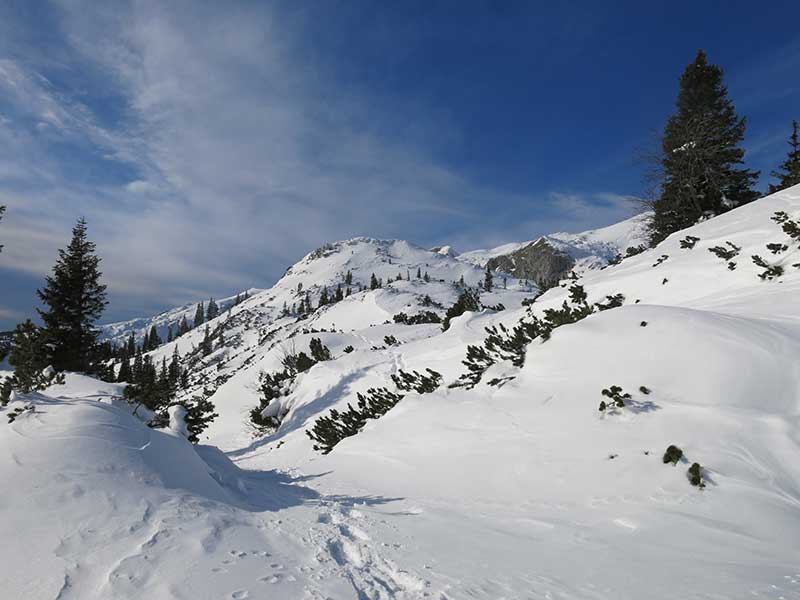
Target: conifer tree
199,315
373,282
427,277
28,357
212,312
74,299
788,173
169,334
124,374
701,157
488,279
419,274
154,340
183,326
323,297
131,345
339,294
206,344
175,367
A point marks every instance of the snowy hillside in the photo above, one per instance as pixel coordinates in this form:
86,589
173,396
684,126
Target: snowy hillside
515,486
119,331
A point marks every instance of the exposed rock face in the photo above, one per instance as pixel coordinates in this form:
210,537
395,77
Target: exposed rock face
538,262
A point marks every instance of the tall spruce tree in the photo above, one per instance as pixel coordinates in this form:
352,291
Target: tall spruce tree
488,279
199,315
74,300
212,312
788,173
701,157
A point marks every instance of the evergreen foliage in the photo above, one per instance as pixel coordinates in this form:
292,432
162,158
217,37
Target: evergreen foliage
688,243
724,253
694,475
417,382
199,316
770,272
319,352
199,414
212,310
425,316
467,301
701,157
74,300
616,398
672,455
28,357
788,173
390,340
488,279
333,428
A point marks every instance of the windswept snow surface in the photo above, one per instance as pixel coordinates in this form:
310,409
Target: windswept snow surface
520,491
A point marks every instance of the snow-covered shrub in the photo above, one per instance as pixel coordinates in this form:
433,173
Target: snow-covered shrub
348,349
425,316
770,271
688,243
616,398
694,475
661,259
777,248
333,428
726,253
319,352
417,382
467,301
577,294
390,340
199,412
614,301
672,455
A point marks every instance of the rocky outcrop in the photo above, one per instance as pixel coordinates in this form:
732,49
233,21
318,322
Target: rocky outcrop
538,262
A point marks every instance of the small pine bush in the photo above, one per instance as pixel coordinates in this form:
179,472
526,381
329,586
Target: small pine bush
688,243
616,396
694,475
770,271
672,455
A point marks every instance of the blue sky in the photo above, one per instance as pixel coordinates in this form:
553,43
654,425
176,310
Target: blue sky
211,145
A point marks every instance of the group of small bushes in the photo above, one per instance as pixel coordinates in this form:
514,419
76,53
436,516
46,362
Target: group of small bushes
673,454
276,385
376,402
504,344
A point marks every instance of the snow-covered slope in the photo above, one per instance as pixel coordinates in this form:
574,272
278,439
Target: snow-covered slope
118,332
518,490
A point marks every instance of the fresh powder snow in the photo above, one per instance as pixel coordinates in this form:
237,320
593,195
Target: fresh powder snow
517,488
